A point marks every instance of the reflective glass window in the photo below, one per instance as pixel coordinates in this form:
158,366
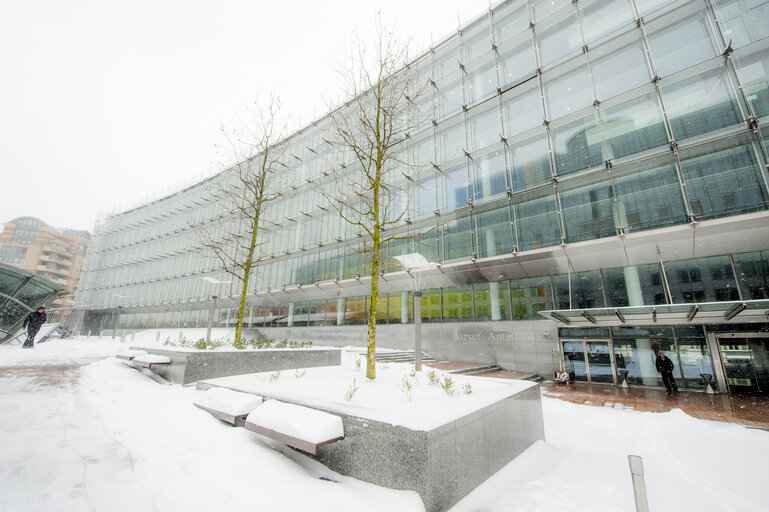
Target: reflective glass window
33,293
458,304
568,93
457,241
586,290
484,125
701,104
650,199
424,197
578,145
12,312
681,45
701,280
559,42
725,183
9,281
476,42
537,222
446,60
516,63
633,126
489,175
450,99
753,274
695,360
753,72
743,22
510,21
620,71
431,306
481,80
652,8
588,210
451,141
455,187
530,296
541,9
491,301
529,163
601,19
521,110
634,286
494,232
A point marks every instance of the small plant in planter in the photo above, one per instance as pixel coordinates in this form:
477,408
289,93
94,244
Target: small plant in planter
447,384
407,387
274,376
351,391
467,388
433,378
299,373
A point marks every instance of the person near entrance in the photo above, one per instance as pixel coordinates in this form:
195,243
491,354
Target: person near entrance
32,324
665,369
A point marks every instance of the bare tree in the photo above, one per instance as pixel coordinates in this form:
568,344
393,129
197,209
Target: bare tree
371,193
247,189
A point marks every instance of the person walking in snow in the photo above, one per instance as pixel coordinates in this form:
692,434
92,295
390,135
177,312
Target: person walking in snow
665,369
32,324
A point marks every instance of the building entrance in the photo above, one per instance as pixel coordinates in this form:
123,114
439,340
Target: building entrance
590,360
745,359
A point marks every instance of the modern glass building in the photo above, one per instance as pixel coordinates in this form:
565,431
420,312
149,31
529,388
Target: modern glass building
593,184
21,293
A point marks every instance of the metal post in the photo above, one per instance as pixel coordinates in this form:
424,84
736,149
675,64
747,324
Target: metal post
211,318
117,321
418,331
639,483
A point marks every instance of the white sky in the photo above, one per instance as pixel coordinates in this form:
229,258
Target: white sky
105,104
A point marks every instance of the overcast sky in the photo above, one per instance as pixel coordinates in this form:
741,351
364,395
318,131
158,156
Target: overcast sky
108,103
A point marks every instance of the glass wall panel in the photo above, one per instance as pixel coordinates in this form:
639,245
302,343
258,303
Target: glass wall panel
652,8
491,301
493,230
9,281
423,149
559,42
634,286
586,290
33,293
450,97
753,72
451,140
516,63
650,199
618,71
425,202
489,172
355,311
701,104
541,9
633,126
693,355
431,305
578,145
455,187
537,221
521,110
509,21
562,298
446,59
457,239
743,22
685,43
568,93
701,280
483,125
530,296
601,19
458,304
476,41
725,183
753,274
529,163
588,210
481,79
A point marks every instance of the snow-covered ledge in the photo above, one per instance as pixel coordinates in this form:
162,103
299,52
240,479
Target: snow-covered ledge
438,445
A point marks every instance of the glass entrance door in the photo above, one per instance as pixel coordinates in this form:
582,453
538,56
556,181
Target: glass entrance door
589,361
746,364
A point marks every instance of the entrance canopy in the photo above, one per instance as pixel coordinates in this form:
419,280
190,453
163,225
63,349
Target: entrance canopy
669,314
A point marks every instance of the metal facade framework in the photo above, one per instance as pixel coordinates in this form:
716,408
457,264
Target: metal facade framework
584,157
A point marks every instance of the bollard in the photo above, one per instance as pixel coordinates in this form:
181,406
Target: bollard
706,377
133,335
639,483
122,337
157,338
181,337
623,377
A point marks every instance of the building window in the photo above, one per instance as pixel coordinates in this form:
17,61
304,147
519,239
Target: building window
12,254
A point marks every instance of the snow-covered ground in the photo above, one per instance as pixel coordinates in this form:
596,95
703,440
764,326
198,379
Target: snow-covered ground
103,437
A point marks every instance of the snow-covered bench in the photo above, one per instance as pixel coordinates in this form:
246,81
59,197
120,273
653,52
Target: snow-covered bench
150,360
228,405
129,355
296,426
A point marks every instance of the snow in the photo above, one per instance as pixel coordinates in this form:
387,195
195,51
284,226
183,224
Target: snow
296,421
228,402
152,359
104,437
130,354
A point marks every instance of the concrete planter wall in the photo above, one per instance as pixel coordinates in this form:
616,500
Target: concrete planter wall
193,365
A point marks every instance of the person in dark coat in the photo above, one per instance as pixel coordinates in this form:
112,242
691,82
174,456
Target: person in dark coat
32,324
665,369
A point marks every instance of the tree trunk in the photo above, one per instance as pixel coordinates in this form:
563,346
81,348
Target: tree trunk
372,310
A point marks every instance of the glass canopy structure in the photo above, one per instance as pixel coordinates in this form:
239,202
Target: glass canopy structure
581,156
21,293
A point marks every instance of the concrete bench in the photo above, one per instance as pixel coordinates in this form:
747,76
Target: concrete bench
227,405
300,427
150,360
129,355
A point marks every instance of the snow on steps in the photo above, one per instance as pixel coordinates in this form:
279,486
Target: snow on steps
476,370
394,356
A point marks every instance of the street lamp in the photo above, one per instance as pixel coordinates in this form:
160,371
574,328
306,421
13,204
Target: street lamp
415,265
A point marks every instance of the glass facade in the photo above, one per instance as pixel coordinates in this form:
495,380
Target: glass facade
555,123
